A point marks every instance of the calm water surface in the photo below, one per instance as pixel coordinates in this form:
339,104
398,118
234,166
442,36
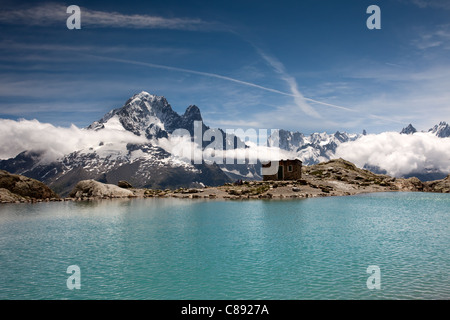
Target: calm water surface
188,249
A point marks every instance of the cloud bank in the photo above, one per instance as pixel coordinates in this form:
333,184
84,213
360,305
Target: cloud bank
56,142
27,135
182,147
399,154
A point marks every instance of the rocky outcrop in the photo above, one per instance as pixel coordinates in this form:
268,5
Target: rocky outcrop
91,189
346,173
441,186
17,187
410,184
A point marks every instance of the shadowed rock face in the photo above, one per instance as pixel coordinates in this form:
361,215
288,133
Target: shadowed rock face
124,184
25,187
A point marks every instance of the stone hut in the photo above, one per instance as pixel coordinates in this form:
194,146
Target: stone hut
287,170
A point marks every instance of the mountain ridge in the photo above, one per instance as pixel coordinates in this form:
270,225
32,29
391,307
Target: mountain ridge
152,165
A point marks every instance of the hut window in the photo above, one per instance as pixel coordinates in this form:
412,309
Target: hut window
289,168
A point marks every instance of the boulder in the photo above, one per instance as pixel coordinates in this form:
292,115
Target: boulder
25,187
124,184
95,189
410,184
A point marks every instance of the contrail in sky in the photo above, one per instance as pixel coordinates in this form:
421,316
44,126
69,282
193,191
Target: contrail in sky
297,96
218,76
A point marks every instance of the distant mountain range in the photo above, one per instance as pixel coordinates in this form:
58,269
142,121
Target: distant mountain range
315,148
441,130
153,166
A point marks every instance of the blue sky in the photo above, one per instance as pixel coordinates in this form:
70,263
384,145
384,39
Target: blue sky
308,66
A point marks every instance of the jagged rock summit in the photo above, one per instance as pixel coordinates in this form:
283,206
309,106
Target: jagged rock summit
408,130
442,130
148,115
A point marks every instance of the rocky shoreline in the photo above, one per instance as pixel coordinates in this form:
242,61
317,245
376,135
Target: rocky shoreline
332,178
16,188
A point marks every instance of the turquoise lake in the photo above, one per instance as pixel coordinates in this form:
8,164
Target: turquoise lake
206,249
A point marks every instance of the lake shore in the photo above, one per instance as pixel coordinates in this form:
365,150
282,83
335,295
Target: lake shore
332,178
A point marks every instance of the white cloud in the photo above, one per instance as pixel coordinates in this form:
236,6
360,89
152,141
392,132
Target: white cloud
399,154
48,14
262,153
437,37
181,146
55,142
22,135
396,153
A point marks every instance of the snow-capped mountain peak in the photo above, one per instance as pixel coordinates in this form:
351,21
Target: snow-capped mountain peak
408,130
442,130
148,115
311,149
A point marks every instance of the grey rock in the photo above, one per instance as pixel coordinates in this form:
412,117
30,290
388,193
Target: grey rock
95,189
